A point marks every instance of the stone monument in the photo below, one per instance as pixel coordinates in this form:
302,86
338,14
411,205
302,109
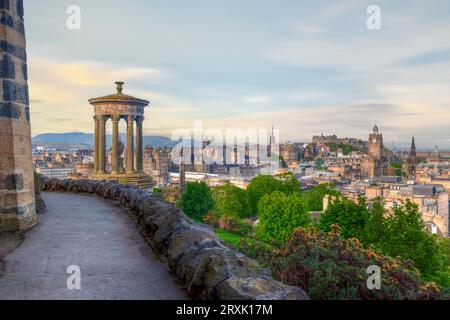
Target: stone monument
118,107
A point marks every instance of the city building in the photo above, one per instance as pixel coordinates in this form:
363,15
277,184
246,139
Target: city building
374,163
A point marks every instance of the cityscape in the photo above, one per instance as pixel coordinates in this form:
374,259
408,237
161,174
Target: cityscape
215,154
356,167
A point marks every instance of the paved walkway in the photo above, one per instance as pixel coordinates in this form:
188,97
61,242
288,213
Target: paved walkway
85,231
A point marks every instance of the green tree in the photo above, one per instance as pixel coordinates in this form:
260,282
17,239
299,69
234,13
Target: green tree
346,148
350,216
280,214
231,201
260,186
264,184
406,236
314,197
289,182
197,200
376,227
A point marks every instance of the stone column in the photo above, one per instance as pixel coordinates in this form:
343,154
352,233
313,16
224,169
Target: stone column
130,144
96,141
139,145
17,198
115,142
102,144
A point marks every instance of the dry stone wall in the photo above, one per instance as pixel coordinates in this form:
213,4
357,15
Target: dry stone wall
201,262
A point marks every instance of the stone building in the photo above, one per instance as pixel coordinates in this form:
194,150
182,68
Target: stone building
159,164
289,153
17,200
374,163
411,164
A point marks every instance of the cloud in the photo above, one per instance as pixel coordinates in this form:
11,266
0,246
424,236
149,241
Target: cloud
257,99
435,56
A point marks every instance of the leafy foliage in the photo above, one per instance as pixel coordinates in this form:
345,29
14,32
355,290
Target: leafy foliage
231,201
350,216
314,197
260,186
346,148
171,195
197,200
400,233
279,214
263,184
329,267
403,234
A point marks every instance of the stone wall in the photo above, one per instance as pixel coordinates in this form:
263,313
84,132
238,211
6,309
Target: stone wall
205,267
17,203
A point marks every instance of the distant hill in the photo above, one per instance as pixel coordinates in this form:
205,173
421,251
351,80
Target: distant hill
88,139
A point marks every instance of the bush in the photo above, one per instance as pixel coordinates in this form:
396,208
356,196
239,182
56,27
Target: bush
171,195
280,214
231,201
197,201
329,267
349,215
314,197
260,186
401,233
228,223
212,218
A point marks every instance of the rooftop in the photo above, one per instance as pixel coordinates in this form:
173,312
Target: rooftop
119,97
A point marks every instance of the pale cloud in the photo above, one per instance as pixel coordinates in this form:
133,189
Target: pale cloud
305,66
257,99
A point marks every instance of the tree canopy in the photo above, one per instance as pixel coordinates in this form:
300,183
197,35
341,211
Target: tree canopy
231,201
280,214
197,200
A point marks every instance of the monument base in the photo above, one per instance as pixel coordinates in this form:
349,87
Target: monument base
140,180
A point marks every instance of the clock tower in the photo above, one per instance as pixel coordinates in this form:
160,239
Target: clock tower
374,163
376,144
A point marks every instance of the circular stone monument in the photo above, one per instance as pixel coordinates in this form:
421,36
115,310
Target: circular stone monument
116,107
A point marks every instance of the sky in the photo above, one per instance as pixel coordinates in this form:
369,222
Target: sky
305,67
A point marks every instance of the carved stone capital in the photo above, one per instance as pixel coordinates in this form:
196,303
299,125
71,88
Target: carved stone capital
139,120
115,118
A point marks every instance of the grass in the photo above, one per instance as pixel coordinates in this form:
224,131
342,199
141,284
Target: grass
229,237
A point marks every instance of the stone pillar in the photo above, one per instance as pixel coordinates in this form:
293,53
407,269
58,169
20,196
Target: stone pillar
102,144
96,141
115,143
17,200
130,144
139,145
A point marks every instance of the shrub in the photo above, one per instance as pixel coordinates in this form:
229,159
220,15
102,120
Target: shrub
280,214
231,201
197,201
171,195
329,267
212,218
314,197
349,215
260,186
